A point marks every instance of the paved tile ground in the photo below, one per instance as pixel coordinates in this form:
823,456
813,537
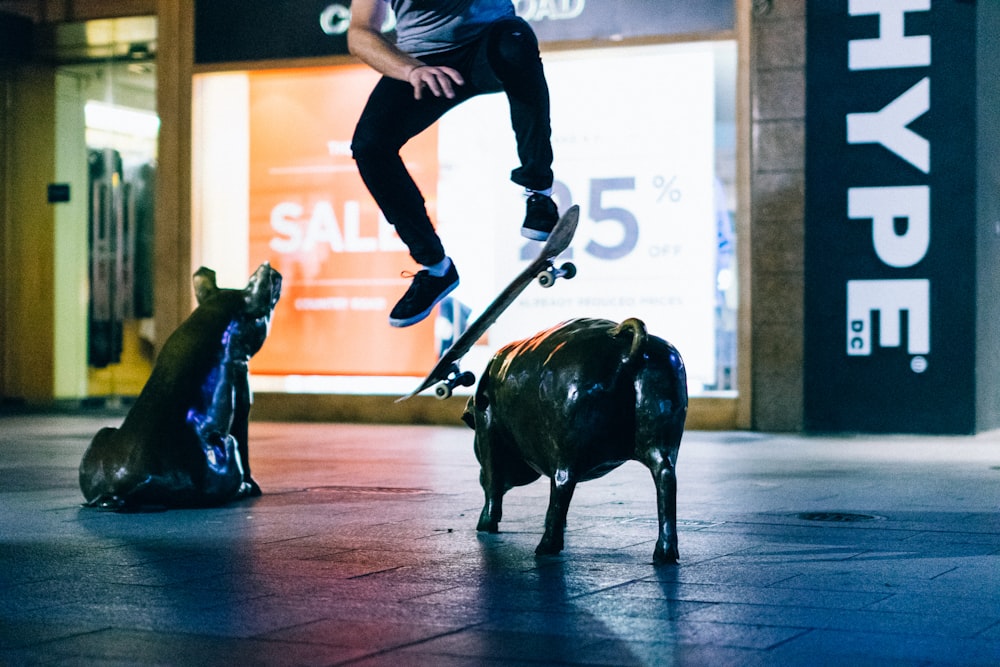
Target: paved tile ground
363,551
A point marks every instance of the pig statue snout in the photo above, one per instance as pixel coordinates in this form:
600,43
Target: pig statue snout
572,403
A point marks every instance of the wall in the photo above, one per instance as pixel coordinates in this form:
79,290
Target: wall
173,297
29,234
15,34
988,216
4,244
777,204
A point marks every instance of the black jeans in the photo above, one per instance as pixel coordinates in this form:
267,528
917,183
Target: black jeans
504,59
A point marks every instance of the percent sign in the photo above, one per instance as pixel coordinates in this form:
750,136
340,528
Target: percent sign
666,188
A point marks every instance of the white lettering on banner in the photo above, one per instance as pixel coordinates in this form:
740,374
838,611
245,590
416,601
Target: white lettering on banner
892,48
323,228
335,19
339,148
298,235
887,204
889,126
324,303
555,10
354,242
282,223
883,206
340,303
889,298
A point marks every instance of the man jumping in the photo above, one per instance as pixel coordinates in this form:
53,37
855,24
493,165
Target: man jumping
446,52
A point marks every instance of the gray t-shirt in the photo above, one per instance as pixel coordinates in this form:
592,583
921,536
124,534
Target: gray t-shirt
432,26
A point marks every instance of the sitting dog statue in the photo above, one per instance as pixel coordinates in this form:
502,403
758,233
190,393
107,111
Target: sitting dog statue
184,441
572,403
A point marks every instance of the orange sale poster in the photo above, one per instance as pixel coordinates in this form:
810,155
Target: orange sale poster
313,219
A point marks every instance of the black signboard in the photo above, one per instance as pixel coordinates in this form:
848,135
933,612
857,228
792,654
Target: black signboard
248,30
890,261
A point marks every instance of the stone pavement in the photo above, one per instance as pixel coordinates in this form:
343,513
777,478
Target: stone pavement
363,551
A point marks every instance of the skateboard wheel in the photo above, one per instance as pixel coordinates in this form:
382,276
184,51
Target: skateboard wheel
442,391
568,270
547,278
466,379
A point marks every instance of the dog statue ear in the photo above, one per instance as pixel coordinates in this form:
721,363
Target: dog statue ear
204,284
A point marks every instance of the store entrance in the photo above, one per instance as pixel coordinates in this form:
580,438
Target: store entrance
113,63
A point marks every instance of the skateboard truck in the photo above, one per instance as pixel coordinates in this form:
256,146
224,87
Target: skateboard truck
456,378
547,278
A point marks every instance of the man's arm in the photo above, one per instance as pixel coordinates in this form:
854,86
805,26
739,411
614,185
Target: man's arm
365,40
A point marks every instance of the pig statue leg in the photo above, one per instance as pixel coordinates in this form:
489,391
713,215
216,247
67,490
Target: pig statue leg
500,471
489,518
101,469
241,431
661,409
491,478
665,479
560,494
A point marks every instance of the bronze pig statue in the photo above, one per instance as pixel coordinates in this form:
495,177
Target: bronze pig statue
572,403
184,441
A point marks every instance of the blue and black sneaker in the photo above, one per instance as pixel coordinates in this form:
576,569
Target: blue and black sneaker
539,219
424,293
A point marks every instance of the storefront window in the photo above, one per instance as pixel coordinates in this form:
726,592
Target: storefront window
644,139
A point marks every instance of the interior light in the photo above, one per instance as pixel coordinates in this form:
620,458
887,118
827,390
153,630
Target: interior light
121,120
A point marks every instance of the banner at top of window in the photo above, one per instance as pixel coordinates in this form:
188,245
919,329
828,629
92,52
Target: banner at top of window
248,30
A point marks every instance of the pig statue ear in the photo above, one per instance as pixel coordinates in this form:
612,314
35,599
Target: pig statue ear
204,284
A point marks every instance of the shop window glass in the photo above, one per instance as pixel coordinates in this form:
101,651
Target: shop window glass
644,139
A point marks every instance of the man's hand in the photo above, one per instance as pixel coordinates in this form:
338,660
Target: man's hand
438,80
366,41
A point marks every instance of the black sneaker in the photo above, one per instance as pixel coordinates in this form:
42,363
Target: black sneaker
542,215
424,293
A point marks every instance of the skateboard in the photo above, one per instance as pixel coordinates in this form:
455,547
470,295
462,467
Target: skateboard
447,374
